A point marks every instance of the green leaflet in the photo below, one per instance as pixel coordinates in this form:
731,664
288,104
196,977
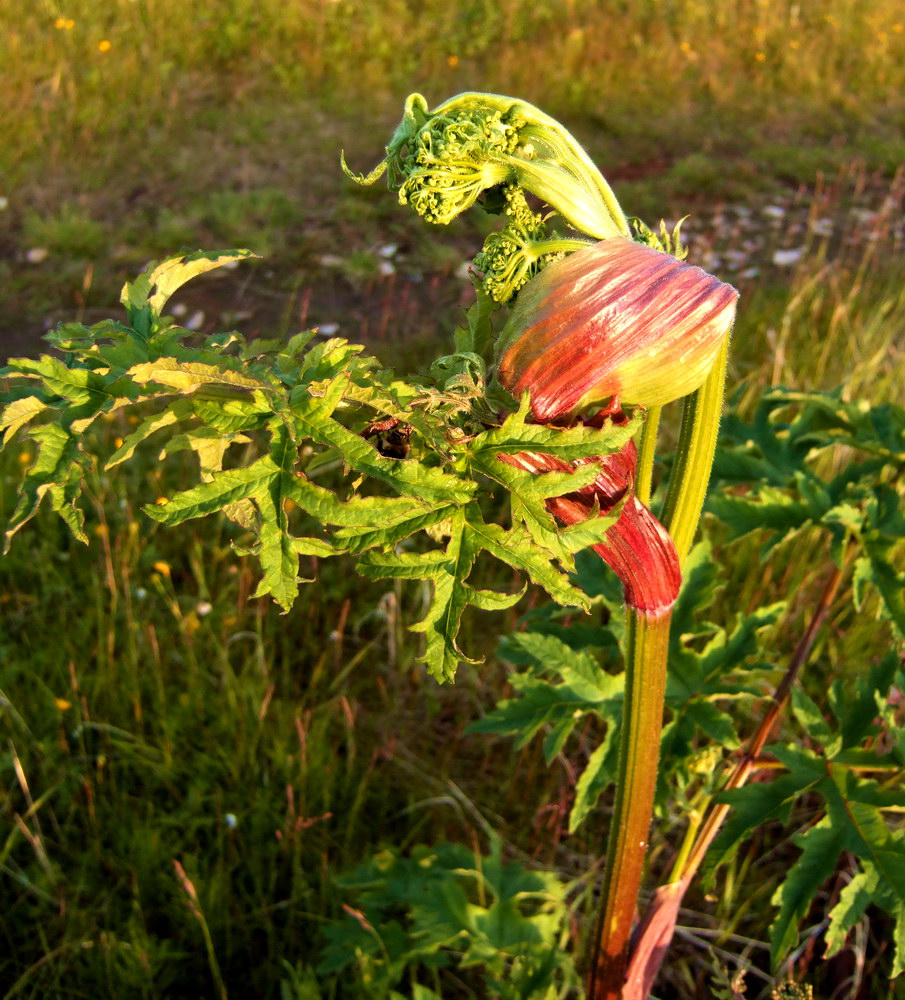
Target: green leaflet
777,455
446,905
854,817
515,434
18,413
560,688
153,288
448,572
56,472
710,666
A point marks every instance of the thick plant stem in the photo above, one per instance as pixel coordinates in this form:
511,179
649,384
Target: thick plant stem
694,457
648,647
639,756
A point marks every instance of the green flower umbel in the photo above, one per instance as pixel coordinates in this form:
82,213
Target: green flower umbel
441,161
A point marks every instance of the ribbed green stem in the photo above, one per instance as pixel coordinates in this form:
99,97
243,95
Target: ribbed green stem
639,755
694,457
645,684
646,449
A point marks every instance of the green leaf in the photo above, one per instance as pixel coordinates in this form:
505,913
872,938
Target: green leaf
821,847
448,572
207,498
391,528
408,477
215,380
753,805
516,548
57,471
76,385
177,411
853,901
19,413
208,444
597,774
154,287
811,719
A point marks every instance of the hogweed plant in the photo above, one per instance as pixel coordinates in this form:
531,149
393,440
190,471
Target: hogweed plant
534,443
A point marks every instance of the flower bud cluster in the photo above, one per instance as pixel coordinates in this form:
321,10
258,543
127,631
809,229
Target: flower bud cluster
441,161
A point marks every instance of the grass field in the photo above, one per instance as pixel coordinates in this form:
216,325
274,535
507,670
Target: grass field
183,771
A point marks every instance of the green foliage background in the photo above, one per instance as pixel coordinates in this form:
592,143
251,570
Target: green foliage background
152,710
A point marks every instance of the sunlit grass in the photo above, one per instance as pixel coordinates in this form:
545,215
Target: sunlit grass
152,713
648,66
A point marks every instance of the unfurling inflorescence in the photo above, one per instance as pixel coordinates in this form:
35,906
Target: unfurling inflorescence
618,320
441,161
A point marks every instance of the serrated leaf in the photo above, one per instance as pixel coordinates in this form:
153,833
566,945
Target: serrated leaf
208,444
853,901
391,528
150,425
226,487
276,550
877,569
448,572
527,492
58,460
19,413
811,719
752,805
597,774
820,850
772,509
408,477
154,287
79,386
516,548
191,376
516,435
365,513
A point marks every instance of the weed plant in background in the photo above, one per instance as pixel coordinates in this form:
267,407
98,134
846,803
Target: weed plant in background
531,444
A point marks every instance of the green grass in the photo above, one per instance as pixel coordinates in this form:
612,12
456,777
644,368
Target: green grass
151,712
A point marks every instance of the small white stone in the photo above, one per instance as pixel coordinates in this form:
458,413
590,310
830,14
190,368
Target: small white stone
195,321
230,820
388,250
203,608
36,255
786,258
327,329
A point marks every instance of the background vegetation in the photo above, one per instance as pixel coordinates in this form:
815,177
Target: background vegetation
165,735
